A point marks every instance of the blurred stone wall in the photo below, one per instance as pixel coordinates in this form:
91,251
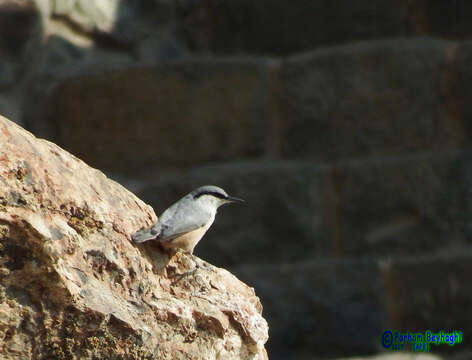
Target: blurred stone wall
345,125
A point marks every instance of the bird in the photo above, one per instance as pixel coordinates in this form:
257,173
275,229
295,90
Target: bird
183,224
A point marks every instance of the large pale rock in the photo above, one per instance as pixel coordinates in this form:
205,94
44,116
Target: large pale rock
73,286
375,98
175,114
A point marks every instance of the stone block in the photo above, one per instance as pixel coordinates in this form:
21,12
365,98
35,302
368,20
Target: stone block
449,20
172,115
378,98
322,308
430,293
281,28
403,205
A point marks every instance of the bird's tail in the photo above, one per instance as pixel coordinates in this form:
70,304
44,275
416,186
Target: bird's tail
146,234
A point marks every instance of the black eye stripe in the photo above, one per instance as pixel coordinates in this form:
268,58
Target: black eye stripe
213,193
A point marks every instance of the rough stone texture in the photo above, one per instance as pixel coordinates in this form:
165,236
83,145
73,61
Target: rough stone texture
378,98
176,114
73,286
297,210
336,307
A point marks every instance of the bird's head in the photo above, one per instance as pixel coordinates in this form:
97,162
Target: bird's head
213,196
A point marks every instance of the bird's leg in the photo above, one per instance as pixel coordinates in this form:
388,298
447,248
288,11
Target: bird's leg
196,267
181,276
190,272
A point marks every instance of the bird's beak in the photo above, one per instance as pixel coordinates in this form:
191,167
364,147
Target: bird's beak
234,199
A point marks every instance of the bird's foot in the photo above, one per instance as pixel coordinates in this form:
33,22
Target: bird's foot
196,266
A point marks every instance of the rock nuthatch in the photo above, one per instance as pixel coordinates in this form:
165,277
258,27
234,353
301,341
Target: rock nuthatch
184,223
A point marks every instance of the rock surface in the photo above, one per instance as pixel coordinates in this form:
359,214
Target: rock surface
73,286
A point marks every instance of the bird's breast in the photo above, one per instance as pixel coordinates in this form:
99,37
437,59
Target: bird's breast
187,241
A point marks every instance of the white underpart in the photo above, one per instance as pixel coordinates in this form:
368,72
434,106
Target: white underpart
189,240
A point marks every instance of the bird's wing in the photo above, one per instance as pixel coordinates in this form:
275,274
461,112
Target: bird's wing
178,220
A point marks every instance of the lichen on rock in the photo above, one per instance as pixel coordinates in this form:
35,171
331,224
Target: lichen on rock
74,286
